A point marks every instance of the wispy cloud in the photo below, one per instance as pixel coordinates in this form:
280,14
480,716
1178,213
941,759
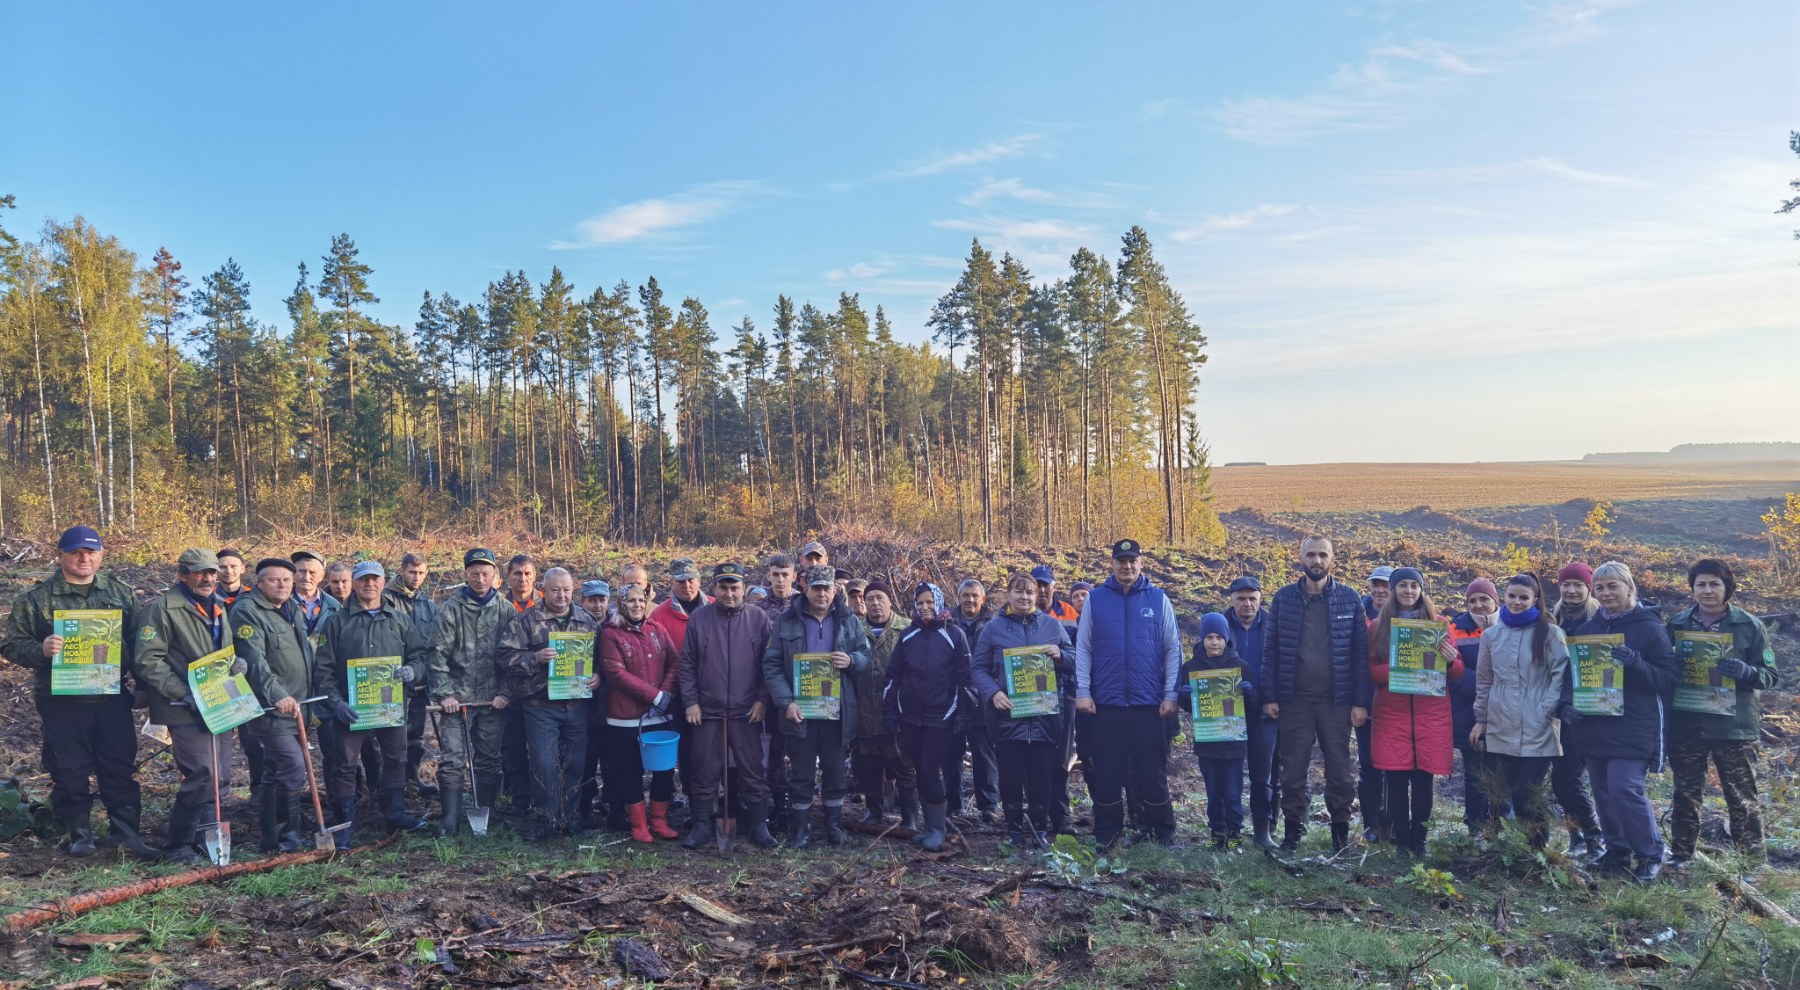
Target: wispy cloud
1008,189
1011,229
1432,53
1507,171
950,161
1226,222
860,270
662,214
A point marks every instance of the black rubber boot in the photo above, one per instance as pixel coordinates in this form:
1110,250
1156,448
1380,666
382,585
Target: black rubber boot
759,826
800,827
81,840
179,848
293,816
909,809
700,835
1292,830
393,808
123,832
268,818
932,838
345,809
419,784
874,809
1340,836
834,825
451,820
1263,839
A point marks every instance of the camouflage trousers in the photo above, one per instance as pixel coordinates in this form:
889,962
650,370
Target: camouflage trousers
1735,762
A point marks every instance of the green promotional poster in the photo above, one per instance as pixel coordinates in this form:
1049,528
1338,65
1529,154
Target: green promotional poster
1702,687
224,699
818,686
1216,700
1031,682
1415,661
1598,679
573,666
376,693
92,654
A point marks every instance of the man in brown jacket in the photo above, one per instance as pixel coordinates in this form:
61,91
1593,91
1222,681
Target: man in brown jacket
721,681
555,729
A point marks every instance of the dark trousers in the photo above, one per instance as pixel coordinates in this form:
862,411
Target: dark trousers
349,741
929,747
1059,777
86,739
983,768
777,742
515,764
878,759
197,754
1572,792
1129,742
1409,798
556,743
1303,723
484,731
735,743
1626,817
252,745
625,768
1028,771
1524,777
599,754
1486,791
1224,795
821,748
417,701
283,762
1371,795
1263,757
1736,763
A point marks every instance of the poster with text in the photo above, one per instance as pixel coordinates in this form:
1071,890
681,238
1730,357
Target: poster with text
1415,661
92,654
573,666
1702,687
376,693
1031,682
1599,680
1216,700
224,699
818,686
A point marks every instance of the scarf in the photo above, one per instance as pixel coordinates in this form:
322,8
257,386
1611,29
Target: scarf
1521,620
938,615
480,599
1610,615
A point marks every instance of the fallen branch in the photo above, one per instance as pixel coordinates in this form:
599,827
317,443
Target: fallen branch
951,837
68,907
1737,888
712,910
880,981
775,960
1125,899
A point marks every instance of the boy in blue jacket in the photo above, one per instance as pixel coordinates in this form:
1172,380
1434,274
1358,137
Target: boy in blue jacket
1221,762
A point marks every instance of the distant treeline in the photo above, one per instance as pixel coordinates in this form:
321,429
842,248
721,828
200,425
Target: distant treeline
1773,450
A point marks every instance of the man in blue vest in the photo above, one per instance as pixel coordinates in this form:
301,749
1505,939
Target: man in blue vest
1127,656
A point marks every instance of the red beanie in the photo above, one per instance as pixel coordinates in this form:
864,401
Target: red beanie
1482,586
1577,571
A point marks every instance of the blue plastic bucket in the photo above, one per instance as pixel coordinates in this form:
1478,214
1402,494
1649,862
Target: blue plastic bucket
657,749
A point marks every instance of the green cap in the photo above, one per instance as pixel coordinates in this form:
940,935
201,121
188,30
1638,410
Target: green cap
682,569
194,560
480,555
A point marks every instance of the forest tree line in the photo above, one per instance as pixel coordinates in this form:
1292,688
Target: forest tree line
1040,411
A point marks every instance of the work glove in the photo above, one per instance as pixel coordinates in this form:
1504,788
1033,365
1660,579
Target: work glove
344,713
1570,717
1627,656
407,675
659,705
239,668
1736,669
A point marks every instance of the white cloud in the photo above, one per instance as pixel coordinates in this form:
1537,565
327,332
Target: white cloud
949,161
1225,222
1009,229
1009,189
1432,53
1506,171
658,215
860,270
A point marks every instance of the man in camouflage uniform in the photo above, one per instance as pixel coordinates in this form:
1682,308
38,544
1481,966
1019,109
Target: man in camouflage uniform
84,736
1730,741
876,756
464,670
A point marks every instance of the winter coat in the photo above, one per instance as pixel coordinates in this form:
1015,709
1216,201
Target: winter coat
871,682
1127,645
639,662
314,621
971,628
1465,635
987,673
789,637
1247,641
1515,695
527,633
1571,621
1642,732
30,624
672,619
1225,661
272,642
1411,731
928,676
464,664
356,633
1278,681
1749,643
173,632
721,661
416,606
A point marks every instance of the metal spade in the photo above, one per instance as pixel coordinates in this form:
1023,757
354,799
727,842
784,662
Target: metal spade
215,836
322,839
472,809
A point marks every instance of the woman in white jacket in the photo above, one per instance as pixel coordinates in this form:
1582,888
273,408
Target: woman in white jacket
1518,690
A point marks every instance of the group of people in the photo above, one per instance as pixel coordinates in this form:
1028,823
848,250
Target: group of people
785,695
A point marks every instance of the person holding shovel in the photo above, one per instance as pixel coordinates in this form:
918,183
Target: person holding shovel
555,728
721,677
270,638
85,735
464,671
638,661
368,629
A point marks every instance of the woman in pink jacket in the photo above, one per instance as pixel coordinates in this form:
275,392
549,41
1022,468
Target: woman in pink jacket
1413,734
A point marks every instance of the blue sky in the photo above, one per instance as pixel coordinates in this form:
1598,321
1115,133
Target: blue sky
1379,212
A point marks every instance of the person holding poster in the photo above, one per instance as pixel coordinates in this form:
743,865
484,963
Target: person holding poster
182,627
1573,599
1220,697
809,651
1622,749
70,630
1520,665
1411,665
1723,650
928,678
369,654
270,636
547,652
1029,746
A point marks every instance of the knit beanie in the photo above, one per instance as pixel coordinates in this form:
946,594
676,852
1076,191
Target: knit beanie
1577,571
1213,624
881,586
1406,574
1482,586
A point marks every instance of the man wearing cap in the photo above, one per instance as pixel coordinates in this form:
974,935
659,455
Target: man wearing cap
1483,779
1127,656
972,736
84,735
853,596
231,588
722,688
309,594
671,619
1054,605
270,638
1078,595
1244,619
875,755
182,626
596,601
555,730
1315,683
1380,580
408,597
368,629
821,622
464,671
781,597
813,555
1069,616
1575,607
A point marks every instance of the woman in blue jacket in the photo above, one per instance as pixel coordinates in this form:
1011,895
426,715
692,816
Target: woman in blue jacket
928,675
1029,747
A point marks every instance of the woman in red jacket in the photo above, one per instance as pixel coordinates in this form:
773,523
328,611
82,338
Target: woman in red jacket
638,660
1413,736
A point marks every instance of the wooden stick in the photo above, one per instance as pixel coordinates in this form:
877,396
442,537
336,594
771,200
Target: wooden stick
711,910
1736,888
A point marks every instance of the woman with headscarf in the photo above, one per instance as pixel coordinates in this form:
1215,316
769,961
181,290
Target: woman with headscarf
928,678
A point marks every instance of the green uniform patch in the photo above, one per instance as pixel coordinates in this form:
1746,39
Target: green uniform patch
147,633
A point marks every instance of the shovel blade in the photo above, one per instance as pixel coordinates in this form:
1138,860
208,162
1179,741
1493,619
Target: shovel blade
726,831
478,819
217,840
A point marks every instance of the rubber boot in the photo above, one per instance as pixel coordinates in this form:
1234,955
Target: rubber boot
700,835
180,845
418,783
659,822
450,802
1263,839
1340,836
1292,830
932,838
874,809
268,819
834,824
640,827
909,809
345,810
393,810
292,815
759,825
800,827
81,840
125,833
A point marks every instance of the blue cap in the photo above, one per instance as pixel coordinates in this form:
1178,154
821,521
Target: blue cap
1245,583
1213,624
1042,574
78,538
367,568
596,589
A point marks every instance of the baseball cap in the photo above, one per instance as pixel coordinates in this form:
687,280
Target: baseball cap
367,568
820,576
727,571
596,589
1382,573
78,538
857,585
682,569
1127,548
1042,574
841,574
812,548
1245,583
299,555
480,555
195,559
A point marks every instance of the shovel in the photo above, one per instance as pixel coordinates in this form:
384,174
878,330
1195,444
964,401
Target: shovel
216,835
322,839
725,826
472,809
